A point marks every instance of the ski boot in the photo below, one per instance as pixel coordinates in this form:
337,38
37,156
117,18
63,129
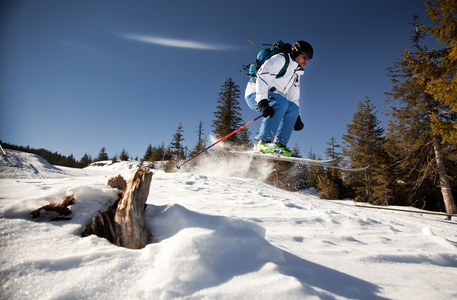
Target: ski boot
284,151
266,147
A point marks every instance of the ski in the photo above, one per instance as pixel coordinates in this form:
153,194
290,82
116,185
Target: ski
274,156
347,169
331,163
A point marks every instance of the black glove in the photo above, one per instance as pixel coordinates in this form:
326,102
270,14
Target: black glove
266,109
298,124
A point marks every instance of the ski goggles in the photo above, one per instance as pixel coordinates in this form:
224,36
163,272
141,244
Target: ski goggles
305,57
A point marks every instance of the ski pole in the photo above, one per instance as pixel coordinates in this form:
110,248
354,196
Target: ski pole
3,151
230,134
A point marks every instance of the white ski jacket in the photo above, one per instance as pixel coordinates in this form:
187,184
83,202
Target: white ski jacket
287,86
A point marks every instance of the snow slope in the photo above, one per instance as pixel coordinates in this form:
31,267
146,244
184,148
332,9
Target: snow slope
18,164
218,237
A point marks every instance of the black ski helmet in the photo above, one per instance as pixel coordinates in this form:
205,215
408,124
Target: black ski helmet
301,47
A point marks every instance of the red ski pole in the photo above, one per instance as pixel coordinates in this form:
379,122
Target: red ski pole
206,149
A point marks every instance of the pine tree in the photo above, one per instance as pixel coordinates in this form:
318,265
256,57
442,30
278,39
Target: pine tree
102,155
201,142
331,151
327,187
364,142
296,150
148,153
85,160
70,161
176,146
330,185
228,115
443,85
159,153
418,149
123,156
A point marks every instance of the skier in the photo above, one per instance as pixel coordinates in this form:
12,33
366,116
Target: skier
277,98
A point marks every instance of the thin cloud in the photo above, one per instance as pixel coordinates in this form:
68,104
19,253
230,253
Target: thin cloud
174,42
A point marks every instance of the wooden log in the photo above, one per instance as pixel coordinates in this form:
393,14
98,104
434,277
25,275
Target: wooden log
55,211
129,221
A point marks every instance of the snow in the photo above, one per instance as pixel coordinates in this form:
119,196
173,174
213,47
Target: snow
216,236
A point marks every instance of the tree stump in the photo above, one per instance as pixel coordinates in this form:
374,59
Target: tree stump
129,221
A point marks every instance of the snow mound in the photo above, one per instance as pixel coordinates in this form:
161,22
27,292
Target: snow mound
22,165
108,165
199,251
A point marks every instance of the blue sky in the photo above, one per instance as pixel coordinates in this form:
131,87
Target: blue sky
76,75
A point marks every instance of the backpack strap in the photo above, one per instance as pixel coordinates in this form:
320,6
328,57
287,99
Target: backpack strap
282,72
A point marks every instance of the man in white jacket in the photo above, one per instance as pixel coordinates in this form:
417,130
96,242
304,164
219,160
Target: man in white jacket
277,98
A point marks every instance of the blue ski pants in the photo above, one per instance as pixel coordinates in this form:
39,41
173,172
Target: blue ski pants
279,128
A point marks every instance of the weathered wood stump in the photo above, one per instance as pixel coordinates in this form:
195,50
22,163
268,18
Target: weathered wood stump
129,220
102,224
124,222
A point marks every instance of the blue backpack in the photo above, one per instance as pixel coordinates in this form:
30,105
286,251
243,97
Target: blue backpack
264,54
